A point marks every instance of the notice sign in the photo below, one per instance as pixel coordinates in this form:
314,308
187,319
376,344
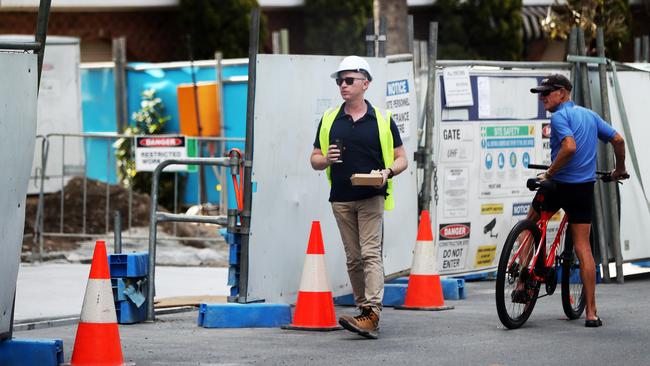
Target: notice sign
458,91
398,103
485,255
151,151
453,244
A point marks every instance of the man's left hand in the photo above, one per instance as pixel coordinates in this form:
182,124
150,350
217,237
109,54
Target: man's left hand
384,173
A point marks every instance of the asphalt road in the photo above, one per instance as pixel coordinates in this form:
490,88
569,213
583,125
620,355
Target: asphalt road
471,334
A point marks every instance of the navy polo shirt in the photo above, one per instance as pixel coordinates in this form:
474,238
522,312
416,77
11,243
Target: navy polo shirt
361,153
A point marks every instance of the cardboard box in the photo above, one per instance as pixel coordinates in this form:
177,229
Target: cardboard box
372,179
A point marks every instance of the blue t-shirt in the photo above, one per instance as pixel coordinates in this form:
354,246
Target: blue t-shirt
586,127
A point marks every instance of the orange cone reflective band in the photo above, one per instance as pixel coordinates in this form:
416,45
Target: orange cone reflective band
424,290
314,306
98,338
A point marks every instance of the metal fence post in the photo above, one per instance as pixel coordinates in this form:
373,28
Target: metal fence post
245,215
426,155
370,38
41,34
609,196
381,41
117,232
119,78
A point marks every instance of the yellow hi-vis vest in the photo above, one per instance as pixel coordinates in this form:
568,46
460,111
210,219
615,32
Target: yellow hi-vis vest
385,139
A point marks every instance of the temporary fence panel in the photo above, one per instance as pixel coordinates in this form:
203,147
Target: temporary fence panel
59,107
635,216
99,110
18,122
288,194
490,127
75,212
401,227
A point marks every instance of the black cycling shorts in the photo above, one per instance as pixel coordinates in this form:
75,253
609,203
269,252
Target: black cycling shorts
576,199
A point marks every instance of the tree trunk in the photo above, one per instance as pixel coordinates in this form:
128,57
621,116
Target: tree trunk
396,13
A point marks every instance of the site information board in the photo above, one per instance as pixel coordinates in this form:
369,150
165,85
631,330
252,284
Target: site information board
483,151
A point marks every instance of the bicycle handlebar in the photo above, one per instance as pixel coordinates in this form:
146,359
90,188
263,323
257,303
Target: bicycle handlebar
604,176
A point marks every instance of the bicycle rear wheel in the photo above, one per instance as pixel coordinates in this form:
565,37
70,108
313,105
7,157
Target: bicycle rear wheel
573,294
516,293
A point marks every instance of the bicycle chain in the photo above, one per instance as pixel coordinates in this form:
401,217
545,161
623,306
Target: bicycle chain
435,183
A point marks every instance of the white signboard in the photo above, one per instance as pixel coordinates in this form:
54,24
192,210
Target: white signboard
635,216
18,123
458,90
151,151
59,111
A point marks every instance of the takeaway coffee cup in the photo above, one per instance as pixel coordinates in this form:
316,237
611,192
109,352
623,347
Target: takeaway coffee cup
339,145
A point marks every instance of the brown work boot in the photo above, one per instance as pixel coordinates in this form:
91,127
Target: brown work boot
365,324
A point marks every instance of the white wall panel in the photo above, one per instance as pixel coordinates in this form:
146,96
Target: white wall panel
292,93
18,124
635,231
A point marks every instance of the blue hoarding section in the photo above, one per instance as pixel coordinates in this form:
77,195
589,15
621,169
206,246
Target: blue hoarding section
98,108
99,115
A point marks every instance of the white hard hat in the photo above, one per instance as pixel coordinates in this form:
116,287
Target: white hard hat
353,63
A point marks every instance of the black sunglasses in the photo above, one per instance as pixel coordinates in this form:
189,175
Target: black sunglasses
348,80
546,93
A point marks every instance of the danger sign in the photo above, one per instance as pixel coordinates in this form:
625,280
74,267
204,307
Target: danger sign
151,151
453,244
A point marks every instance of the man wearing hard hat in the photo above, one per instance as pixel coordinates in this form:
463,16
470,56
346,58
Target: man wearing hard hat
357,137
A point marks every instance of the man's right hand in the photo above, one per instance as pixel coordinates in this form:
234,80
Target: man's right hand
619,174
333,154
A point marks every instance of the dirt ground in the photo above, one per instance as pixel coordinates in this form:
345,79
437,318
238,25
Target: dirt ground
95,220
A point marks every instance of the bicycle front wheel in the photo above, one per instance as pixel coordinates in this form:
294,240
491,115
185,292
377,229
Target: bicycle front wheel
516,293
573,293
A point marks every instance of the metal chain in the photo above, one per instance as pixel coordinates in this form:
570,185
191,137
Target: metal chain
435,183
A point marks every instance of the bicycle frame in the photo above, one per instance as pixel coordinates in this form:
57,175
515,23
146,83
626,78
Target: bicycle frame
542,224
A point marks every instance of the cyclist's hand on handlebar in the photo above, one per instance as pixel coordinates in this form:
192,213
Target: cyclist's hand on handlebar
543,176
619,174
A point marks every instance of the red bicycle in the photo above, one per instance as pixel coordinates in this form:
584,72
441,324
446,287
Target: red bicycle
525,264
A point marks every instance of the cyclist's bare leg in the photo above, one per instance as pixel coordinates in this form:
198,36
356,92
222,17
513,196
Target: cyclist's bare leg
526,254
580,233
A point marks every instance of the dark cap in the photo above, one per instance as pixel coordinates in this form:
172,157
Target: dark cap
553,82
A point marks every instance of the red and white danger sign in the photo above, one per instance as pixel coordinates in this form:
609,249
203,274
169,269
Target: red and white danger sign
151,151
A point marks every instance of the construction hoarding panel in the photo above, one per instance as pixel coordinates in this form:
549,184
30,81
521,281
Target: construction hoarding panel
635,213
482,153
289,194
18,122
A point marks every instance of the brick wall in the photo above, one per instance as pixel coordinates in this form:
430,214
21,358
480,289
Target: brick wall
152,36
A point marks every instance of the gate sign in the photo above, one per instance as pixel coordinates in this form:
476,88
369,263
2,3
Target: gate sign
151,151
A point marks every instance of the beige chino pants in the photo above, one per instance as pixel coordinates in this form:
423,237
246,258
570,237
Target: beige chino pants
360,225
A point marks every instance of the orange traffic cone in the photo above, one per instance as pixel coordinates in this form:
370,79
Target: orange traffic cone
315,306
424,290
98,339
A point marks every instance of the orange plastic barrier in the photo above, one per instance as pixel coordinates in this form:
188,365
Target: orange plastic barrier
209,109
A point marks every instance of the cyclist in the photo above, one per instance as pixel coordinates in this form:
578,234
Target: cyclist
574,138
